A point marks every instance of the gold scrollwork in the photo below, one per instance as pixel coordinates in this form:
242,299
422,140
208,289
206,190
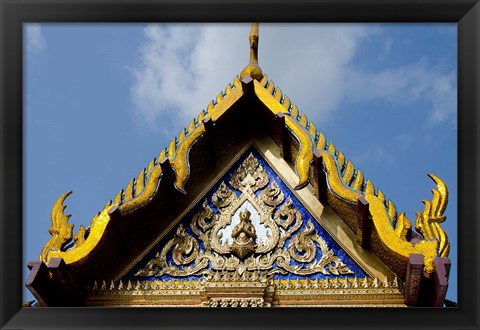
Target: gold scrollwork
223,197
272,195
247,252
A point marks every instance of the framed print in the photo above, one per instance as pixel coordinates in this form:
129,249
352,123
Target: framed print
248,227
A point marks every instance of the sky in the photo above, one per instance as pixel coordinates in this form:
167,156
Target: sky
102,100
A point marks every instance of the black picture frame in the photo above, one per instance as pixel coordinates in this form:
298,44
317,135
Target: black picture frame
466,13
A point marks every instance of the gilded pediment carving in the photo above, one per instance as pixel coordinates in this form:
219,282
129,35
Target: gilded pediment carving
249,223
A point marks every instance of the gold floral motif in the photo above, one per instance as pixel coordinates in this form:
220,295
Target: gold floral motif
250,174
184,249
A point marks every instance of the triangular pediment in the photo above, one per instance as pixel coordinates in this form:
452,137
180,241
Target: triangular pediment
249,220
252,239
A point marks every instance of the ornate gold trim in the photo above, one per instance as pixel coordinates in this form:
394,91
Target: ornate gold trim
304,245
250,289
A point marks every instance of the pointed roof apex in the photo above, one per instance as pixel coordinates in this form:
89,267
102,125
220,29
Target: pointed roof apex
252,69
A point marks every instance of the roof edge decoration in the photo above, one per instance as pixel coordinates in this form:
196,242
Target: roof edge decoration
344,182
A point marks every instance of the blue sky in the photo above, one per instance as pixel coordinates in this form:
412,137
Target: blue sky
102,100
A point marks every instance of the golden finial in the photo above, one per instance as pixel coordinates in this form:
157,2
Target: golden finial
252,69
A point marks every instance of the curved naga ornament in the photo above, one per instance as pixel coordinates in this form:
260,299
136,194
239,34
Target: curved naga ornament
428,221
235,239
61,230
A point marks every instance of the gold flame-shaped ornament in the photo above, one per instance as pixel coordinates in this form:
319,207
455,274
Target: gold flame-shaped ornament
61,230
428,221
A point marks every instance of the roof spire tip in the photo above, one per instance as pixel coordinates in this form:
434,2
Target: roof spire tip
252,69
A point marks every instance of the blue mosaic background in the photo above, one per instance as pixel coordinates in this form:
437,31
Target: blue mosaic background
357,271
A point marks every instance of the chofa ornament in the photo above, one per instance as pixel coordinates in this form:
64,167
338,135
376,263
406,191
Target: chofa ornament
246,232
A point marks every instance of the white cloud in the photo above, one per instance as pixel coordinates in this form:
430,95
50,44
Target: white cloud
406,85
35,39
182,67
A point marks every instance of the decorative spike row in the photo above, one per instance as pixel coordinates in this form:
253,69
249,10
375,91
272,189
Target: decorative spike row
219,98
228,89
118,197
140,182
369,189
270,87
381,195
294,111
210,107
199,119
191,126
172,148
181,136
392,212
348,173
286,102
358,183
162,154
264,80
303,120
129,191
331,148
355,282
278,95
365,283
151,165
321,142
312,130
340,159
